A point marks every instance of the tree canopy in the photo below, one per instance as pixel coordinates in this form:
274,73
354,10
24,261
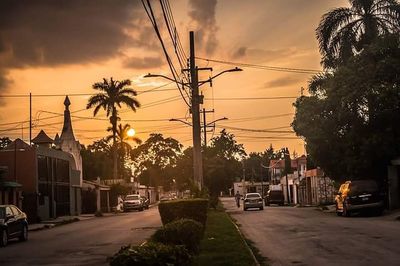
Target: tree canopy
345,31
350,121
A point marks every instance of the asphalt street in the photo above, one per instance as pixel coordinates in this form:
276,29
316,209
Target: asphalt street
307,236
87,242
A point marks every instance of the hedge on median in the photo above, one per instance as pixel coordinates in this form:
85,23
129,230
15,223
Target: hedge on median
185,232
154,254
195,209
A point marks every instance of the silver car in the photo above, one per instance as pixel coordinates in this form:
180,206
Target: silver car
253,200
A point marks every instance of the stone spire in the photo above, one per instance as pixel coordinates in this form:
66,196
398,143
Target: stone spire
67,132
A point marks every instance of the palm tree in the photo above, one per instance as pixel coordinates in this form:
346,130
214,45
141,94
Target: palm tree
113,94
122,137
344,31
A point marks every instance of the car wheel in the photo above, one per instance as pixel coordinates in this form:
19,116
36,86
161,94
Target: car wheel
338,213
261,208
4,238
141,209
245,209
346,212
24,233
378,211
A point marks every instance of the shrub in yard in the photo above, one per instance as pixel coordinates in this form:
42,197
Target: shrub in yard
185,232
195,209
154,254
213,202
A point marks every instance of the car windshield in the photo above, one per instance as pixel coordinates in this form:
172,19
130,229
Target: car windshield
363,186
132,197
254,195
2,213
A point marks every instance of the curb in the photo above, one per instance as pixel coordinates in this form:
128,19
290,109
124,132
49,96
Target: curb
244,241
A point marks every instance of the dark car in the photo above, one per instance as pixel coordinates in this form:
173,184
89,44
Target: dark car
274,197
146,202
357,196
133,202
13,224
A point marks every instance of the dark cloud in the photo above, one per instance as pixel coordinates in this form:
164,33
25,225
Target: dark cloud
261,55
282,82
202,14
143,63
51,33
240,52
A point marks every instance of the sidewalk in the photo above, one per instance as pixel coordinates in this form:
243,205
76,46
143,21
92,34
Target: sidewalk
71,219
64,220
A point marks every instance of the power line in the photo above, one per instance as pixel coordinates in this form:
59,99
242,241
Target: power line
252,98
263,67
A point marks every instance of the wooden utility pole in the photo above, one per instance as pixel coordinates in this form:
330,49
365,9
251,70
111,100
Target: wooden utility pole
194,84
30,118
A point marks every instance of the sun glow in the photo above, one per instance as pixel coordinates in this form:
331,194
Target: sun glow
131,132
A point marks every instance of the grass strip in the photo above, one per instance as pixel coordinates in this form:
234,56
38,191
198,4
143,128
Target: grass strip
222,244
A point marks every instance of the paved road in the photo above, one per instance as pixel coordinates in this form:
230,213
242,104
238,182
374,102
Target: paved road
306,236
87,242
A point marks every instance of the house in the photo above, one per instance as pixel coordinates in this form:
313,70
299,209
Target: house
316,188
289,182
49,172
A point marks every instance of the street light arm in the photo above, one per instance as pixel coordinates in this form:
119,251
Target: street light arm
179,120
149,75
213,122
219,74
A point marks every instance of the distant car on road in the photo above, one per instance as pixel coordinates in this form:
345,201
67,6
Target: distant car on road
133,202
146,202
359,195
253,200
274,197
13,224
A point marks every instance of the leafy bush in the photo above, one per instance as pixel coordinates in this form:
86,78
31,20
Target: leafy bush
195,209
185,232
154,254
213,202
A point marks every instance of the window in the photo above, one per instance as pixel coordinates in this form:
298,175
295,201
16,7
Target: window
62,172
43,170
15,211
8,212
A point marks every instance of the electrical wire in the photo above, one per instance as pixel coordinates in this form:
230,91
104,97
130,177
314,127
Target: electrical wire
263,67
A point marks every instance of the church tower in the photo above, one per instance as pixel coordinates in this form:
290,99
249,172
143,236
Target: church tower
67,140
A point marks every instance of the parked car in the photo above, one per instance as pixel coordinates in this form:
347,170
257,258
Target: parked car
133,202
274,197
13,224
146,202
253,200
359,195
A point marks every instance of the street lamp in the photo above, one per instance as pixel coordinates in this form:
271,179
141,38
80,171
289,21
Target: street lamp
236,69
207,125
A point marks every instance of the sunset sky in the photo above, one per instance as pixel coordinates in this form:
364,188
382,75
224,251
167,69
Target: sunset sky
63,47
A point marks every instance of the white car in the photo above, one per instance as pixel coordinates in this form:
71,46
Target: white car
133,202
253,200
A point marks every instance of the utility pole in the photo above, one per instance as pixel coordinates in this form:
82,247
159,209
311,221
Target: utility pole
194,84
205,127
30,118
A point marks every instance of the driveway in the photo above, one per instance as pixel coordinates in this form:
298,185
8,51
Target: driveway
87,242
306,236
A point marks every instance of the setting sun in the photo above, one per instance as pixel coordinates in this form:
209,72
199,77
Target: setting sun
131,132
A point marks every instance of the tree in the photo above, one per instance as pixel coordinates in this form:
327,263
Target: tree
222,162
96,159
344,32
350,120
155,159
113,94
4,142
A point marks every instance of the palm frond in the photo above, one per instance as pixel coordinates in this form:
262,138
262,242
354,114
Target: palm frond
130,102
